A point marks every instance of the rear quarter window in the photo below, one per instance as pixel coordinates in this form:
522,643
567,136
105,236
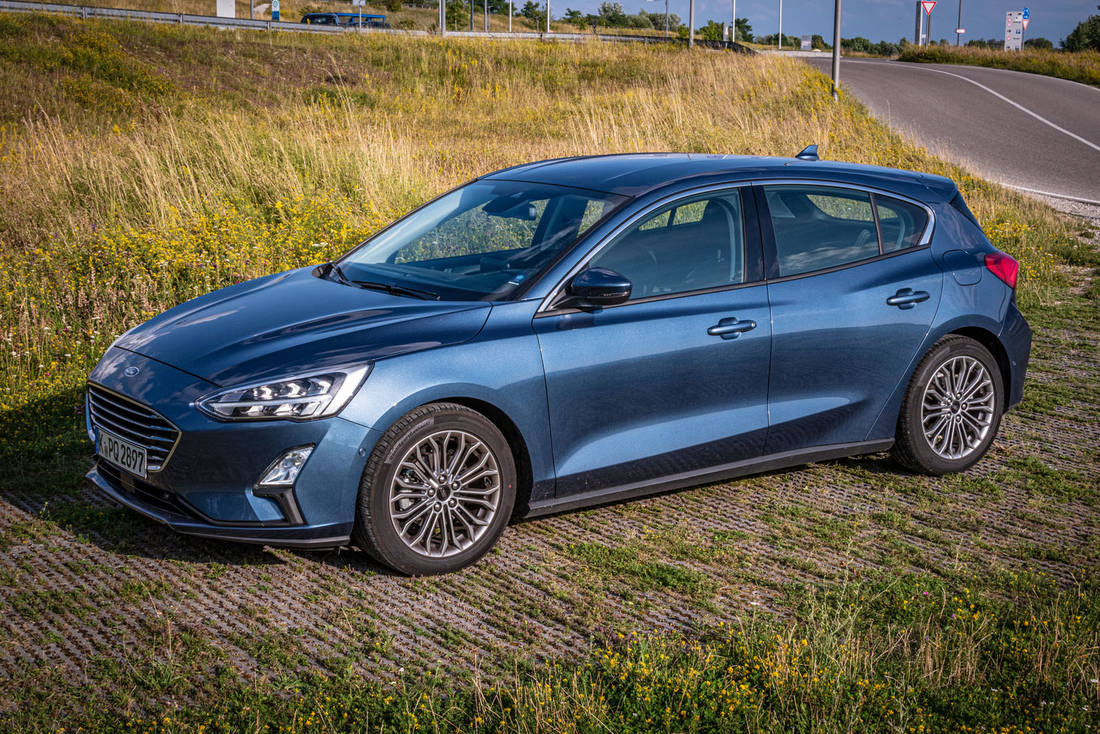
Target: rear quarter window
901,224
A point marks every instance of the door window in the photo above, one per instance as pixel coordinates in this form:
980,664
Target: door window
694,244
819,227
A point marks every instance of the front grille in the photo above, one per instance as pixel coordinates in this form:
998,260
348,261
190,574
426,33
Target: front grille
133,422
143,491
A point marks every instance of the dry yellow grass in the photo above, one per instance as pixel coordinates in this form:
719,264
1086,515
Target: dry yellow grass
145,165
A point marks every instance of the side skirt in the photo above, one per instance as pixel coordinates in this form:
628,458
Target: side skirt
709,475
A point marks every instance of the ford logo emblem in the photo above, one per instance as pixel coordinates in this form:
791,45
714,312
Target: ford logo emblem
131,371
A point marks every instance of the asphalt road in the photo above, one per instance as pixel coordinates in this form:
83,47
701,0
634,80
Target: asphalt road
1024,130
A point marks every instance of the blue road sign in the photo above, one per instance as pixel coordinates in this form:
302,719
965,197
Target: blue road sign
1027,14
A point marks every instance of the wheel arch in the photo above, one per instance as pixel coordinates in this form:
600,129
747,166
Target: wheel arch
886,423
990,341
521,455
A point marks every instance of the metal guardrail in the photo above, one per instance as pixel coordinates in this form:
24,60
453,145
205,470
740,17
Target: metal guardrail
92,11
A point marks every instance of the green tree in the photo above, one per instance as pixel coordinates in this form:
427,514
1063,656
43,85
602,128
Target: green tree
612,14
657,20
743,30
575,17
393,6
1086,36
711,31
1041,43
458,15
859,44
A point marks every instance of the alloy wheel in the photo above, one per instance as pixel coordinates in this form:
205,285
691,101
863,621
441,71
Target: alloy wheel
957,407
445,493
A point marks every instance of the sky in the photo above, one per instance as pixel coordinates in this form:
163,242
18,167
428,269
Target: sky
877,20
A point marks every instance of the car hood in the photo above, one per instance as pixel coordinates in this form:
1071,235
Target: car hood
293,323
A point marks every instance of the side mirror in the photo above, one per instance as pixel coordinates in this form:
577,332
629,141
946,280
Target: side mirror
596,287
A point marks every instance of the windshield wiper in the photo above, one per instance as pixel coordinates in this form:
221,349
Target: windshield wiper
391,288
324,270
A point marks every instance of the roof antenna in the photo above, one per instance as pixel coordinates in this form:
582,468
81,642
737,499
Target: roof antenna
809,153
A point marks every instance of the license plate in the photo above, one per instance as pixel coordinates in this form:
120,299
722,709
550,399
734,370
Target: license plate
121,453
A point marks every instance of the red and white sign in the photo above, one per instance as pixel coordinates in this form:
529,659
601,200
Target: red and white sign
928,5
1026,21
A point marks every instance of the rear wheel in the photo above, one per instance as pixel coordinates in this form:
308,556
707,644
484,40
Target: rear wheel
952,408
437,491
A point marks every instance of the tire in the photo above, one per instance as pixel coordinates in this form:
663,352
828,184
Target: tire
413,521
937,432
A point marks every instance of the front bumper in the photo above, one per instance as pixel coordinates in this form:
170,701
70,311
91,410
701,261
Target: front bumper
165,508
207,485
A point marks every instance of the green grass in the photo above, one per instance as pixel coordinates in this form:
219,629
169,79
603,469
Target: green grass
974,652
1081,66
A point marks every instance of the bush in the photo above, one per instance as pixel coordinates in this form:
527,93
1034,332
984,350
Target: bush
1083,66
1086,36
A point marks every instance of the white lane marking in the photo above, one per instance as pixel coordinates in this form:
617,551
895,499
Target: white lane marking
1051,193
1053,79
1017,105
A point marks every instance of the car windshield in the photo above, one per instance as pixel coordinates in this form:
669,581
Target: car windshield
479,242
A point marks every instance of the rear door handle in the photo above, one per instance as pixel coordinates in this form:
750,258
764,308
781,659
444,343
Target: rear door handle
731,328
907,298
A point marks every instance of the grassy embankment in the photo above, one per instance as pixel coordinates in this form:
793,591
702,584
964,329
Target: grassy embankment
407,18
1081,66
141,166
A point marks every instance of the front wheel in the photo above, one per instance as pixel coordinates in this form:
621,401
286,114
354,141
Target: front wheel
952,408
437,491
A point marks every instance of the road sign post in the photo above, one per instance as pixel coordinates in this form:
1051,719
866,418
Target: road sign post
959,30
928,6
1014,30
836,51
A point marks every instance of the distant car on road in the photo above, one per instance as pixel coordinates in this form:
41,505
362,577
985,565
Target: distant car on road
321,18
562,334
347,20
353,20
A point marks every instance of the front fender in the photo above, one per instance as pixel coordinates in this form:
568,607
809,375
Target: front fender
501,367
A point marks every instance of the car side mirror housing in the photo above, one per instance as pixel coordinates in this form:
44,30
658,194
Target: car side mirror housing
596,287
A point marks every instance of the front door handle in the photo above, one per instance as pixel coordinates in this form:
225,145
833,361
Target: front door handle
907,298
731,328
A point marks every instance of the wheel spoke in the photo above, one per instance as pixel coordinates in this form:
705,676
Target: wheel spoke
465,476
981,384
477,501
459,455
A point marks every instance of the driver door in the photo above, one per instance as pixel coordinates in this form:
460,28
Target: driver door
673,381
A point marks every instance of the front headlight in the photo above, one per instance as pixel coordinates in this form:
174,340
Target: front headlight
294,398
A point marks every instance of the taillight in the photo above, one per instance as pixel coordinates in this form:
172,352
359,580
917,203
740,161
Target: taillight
1004,267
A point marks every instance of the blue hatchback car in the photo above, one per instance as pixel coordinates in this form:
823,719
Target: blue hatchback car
562,334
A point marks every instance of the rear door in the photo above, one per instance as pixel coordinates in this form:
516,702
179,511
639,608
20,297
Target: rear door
675,379
853,291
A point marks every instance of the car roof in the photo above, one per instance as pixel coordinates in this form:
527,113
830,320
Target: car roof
635,174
